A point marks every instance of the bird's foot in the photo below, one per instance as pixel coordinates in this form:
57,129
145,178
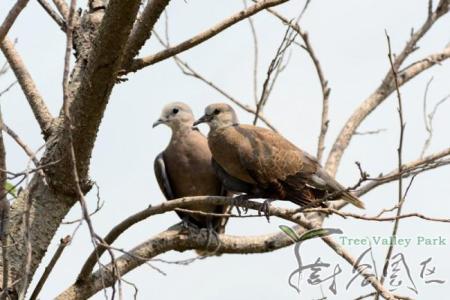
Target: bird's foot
210,235
187,226
265,209
237,201
313,204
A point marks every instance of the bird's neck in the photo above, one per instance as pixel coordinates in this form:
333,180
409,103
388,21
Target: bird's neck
181,131
216,127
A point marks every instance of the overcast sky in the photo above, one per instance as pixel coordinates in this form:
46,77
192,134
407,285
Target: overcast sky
349,38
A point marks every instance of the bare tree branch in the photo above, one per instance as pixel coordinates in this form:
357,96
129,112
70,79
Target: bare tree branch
189,71
388,86
143,29
376,218
11,18
37,104
414,167
274,69
62,7
370,132
319,70
104,46
255,54
201,37
429,117
91,83
21,143
4,217
174,240
7,88
401,197
53,14
49,268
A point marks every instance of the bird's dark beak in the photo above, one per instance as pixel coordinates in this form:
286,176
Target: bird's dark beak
204,119
158,122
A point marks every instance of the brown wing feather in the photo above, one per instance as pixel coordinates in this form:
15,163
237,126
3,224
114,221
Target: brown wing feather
271,157
280,167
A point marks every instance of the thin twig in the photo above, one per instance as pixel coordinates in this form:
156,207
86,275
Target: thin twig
28,171
7,88
387,86
370,132
366,296
274,66
35,100
320,74
62,7
376,218
172,239
53,14
224,215
203,36
4,217
305,7
49,268
255,55
429,117
68,126
189,71
400,163
98,207
21,143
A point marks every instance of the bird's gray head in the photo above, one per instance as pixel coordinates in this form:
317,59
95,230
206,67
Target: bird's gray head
176,115
218,115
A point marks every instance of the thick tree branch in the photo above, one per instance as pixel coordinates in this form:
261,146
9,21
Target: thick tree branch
142,215
201,37
37,104
143,29
11,18
388,86
175,240
373,102
408,169
90,86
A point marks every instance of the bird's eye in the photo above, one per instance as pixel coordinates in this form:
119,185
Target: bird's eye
216,111
175,111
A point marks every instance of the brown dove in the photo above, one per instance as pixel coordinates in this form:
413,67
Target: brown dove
263,164
184,167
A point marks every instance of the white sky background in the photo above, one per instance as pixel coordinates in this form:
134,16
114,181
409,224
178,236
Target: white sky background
349,39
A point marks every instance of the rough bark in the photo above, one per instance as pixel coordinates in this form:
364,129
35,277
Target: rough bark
92,81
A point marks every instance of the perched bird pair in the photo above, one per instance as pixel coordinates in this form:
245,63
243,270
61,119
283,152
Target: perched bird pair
243,158
184,167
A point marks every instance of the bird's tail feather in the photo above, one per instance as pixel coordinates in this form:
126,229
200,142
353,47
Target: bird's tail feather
346,196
